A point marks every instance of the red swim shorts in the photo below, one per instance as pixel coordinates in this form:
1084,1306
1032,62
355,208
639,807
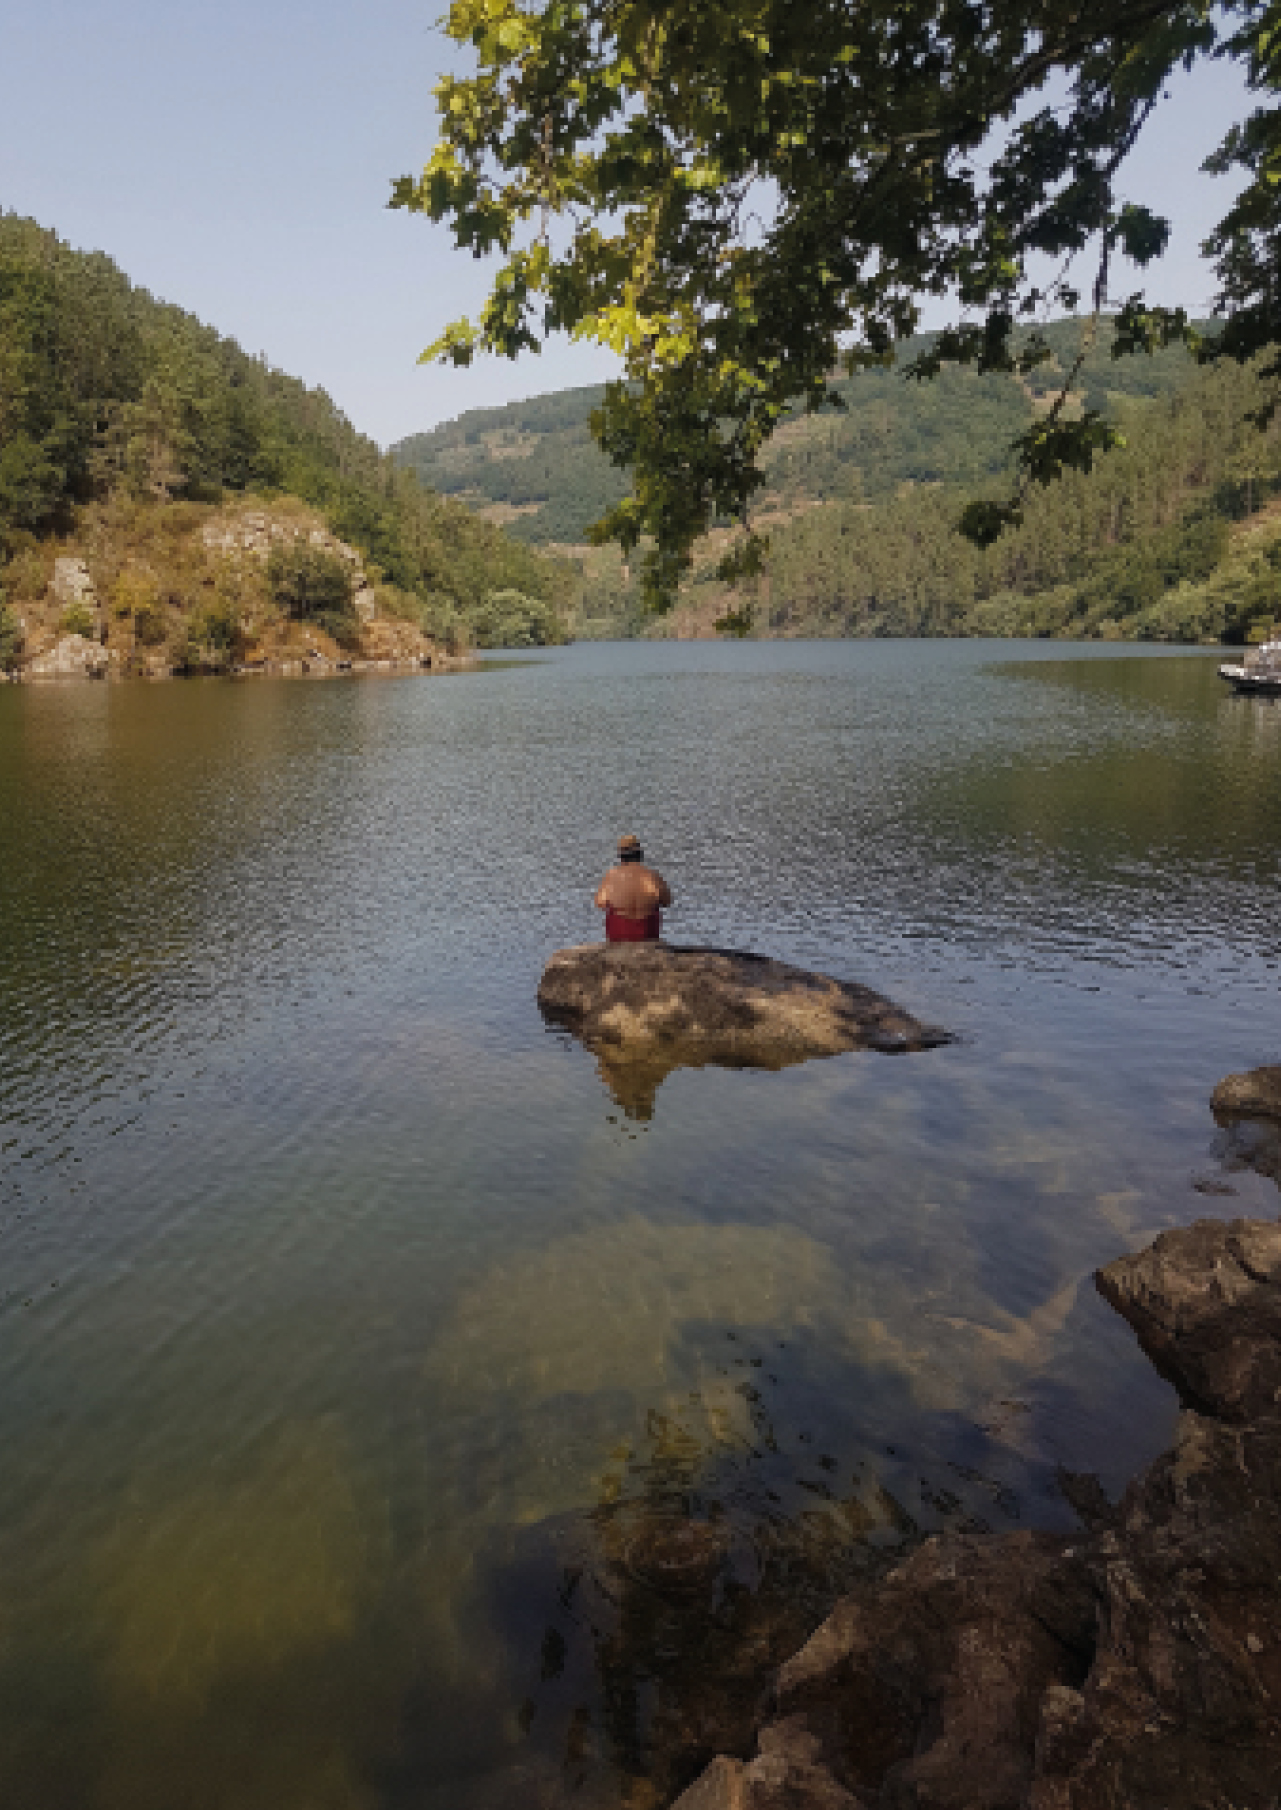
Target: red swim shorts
619,929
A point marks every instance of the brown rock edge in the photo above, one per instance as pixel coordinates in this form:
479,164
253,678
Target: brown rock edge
1255,1094
1135,1665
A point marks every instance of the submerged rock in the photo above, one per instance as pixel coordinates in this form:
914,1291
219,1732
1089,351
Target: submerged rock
646,1008
1138,1664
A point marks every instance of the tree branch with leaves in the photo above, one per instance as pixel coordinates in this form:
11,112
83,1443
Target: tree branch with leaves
746,198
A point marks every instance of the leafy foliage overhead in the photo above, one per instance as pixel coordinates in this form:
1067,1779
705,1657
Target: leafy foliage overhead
535,462
743,196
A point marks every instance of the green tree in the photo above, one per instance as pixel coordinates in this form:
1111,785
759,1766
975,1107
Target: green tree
508,618
741,196
307,581
11,636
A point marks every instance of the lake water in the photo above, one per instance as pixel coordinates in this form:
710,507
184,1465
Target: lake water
357,1344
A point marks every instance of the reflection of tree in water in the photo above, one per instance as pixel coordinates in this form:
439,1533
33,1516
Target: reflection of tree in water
706,1562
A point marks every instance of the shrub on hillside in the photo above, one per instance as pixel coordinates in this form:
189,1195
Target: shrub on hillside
511,619
28,569
208,641
434,613
309,583
131,591
151,625
78,619
135,597
11,637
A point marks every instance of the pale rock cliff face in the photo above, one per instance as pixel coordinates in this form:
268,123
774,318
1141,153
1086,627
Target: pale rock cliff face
254,532
72,585
257,531
71,657
53,655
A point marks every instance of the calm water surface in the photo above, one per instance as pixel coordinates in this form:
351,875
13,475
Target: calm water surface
354,1338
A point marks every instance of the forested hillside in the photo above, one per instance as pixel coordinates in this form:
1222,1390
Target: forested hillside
534,465
109,396
862,506
1149,544
538,458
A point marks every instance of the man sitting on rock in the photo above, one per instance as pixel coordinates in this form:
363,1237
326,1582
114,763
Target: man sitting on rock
631,895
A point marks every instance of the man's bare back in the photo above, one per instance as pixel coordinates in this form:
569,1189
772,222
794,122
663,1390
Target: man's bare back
633,889
632,895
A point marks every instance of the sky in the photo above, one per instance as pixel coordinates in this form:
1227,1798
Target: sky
237,159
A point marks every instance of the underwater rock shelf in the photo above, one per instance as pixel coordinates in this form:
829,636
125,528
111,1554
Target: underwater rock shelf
1136,1664
717,1006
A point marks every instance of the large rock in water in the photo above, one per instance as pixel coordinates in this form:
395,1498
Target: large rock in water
1256,1094
1206,1305
1135,1666
644,1009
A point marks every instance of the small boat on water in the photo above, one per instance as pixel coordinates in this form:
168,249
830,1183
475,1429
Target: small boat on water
1258,673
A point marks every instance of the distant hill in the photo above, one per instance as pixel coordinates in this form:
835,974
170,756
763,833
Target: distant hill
1174,535
535,467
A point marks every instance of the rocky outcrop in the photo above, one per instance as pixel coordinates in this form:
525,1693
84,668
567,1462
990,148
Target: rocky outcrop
1137,1665
1256,1094
238,533
1206,1305
190,591
72,586
256,531
71,657
645,1009
247,536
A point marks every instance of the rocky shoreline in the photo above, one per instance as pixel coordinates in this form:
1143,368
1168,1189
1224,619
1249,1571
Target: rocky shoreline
113,611
1135,1664
68,666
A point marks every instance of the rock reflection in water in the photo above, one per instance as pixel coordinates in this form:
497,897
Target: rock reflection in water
633,1076
1247,1110
633,1081
1249,1144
